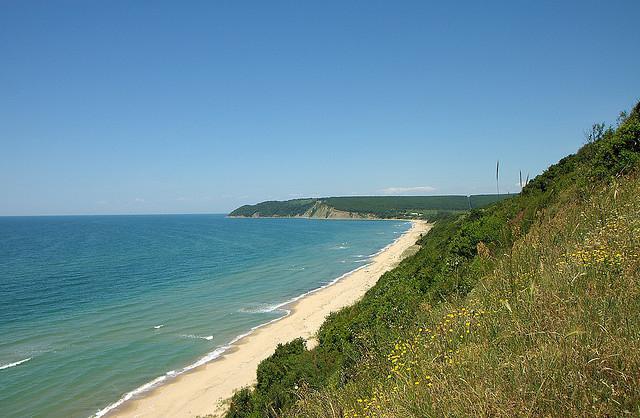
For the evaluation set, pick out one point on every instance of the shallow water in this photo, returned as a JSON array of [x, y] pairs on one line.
[[93, 307]]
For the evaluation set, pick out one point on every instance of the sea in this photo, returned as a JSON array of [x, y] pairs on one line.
[[95, 310]]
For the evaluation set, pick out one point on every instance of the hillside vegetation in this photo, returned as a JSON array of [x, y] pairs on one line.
[[415, 207], [528, 307], [294, 207]]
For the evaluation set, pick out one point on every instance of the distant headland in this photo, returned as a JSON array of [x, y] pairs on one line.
[[368, 207]]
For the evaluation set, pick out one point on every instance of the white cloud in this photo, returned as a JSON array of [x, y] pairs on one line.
[[139, 199], [408, 190]]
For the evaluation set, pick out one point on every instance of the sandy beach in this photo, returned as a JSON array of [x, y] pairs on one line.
[[204, 390]]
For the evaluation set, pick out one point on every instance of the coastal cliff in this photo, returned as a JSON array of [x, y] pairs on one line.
[[318, 210], [321, 210], [368, 207]]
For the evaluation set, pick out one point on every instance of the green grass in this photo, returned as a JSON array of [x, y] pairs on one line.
[[551, 329], [295, 207], [529, 306], [477, 201]]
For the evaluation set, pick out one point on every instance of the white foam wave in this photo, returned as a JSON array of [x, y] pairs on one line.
[[198, 337], [131, 394], [259, 309], [14, 364], [158, 326], [383, 249], [173, 373]]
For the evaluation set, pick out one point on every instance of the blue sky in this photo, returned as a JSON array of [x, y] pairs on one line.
[[183, 107]]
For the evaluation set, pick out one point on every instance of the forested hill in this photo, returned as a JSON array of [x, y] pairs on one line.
[[528, 307], [423, 207]]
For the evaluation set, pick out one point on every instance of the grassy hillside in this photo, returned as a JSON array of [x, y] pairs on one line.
[[477, 201], [295, 207], [379, 206], [530, 306]]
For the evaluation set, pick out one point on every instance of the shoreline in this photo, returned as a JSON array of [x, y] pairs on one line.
[[201, 388]]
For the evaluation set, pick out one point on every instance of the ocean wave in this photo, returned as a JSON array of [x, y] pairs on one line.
[[198, 337], [158, 326], [133, 393], [14, 364], [260, 309], [173, 373]]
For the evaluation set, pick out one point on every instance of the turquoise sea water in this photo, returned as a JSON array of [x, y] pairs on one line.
[[93, 308]]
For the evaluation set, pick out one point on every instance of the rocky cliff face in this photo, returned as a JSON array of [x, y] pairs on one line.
[[319, 210], [323, 211]]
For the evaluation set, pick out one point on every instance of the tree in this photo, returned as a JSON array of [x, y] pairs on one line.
[[596, 133]]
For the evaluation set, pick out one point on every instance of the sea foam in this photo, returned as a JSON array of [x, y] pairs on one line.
[[260, 309], [198, 337], [17, 363]]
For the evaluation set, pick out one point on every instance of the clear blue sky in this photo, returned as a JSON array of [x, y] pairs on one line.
[[174, 107]]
